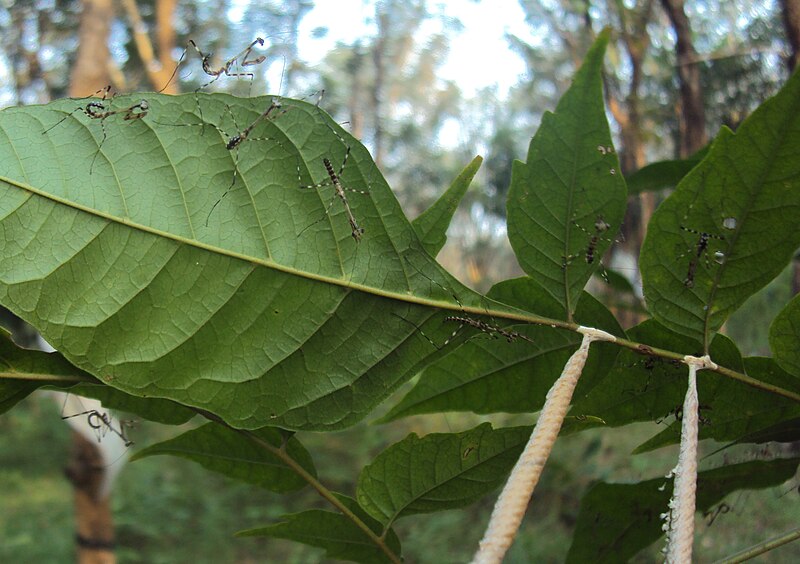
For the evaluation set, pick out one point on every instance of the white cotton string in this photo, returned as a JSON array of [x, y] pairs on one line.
[[680, 517], [513, 501]]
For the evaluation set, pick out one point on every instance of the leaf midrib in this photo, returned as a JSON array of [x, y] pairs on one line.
[[404, 297]]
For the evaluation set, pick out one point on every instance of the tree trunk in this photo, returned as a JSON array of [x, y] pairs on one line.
[[94, 524], [693, 120], [90, 72], [379, 61], [790, 9]]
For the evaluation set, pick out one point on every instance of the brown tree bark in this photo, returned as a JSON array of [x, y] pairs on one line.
[[693, 120], [790, 10], [93, 520], [90, 72], [160, 70]]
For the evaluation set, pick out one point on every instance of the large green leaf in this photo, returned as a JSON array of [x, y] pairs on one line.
[[484, 376], [731, 225], [618, 520], [264, 310], [223, 450], [784, 337], [334, 532], [439, 471], [566, 202]]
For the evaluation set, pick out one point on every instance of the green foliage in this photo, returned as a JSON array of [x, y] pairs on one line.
[[25, 371], [220, 329], [228, 452], [484, 378], [569, 190], [618, 520], [332, 531], [784, 334], [663, 174], [747, 181], [438, 471], [181, 273]]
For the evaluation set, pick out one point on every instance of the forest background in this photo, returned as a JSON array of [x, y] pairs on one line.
[[675, 74]]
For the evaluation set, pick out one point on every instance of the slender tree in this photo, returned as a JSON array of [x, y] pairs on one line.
[[693, 121]]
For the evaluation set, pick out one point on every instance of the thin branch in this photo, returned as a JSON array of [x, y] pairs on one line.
[[54, 378], [761, 548], [155, 67]]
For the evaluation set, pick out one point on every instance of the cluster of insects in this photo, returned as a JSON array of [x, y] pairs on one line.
[[239, 66]]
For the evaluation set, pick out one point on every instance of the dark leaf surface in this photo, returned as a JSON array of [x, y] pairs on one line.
[[438, 471], [488, 374], [784, 337], [334, 532], [228, 452], [618, 520]]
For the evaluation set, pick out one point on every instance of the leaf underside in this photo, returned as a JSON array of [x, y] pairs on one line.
[[566, 203], [266, 315], [731, 225]]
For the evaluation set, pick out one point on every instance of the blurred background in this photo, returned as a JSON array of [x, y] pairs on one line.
[[426, 86]]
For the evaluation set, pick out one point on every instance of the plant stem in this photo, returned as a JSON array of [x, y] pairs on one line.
[[55, 378], [762, 547]]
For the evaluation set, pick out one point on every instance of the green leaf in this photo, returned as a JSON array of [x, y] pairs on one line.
[[784, 432], [439, 471], [431, 226], [642, 388], [618, 520], [223, 450], [267, 315], [663, 174], [743, 200], [25, 370], [733, 411], [334, 532], [487, 376], [784, 337], [570, 192]]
